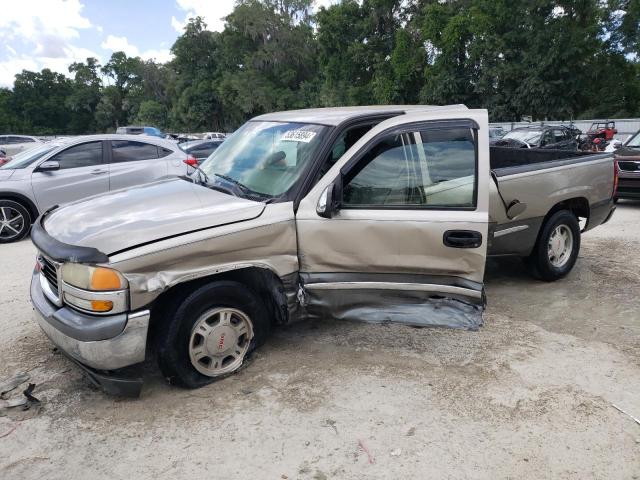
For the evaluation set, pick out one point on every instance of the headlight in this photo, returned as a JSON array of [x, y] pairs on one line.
[[96, 279], [92, 289]]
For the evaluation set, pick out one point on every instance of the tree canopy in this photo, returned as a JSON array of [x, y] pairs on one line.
[[548, 59]]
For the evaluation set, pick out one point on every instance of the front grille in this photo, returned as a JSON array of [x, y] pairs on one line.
[[629, 166], [50, 272]]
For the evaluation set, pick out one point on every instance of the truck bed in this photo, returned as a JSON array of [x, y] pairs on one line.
[[502, 158], [544, 180]]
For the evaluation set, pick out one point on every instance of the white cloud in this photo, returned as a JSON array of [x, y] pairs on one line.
[[31, 18], [9, 69], [162, 55], [58, 63], [121, 44], [214, 12], [47, 27], [177, 25], [324, 3]]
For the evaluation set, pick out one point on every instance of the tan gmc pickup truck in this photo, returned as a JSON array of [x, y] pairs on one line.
[[381, 214]]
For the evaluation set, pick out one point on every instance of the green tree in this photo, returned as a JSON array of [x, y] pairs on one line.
[[551, 59], [194, 74], [152, 113], [85, 95], [108, 109], [9, 121], [126, 73], [40, 100]]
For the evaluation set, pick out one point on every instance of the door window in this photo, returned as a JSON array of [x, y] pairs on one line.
[[559, 136], [163, 152], [423, 169], [547, 138], [344, 142], [83, 155], [128, 151], [204, 150]]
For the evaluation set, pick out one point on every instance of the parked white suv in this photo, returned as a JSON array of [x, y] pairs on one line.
[[13, 144], [62, 171]]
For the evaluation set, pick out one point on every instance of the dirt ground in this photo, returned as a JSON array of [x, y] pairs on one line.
[[529, 396]]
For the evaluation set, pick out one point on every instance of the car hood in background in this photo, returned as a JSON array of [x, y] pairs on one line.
[[5, 174], [628, 152], [123, 219]]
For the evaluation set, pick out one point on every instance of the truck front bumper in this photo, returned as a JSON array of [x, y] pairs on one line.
[[629, 186], [80, 337]]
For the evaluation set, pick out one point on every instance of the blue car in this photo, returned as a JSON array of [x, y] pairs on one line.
[[152, 131]]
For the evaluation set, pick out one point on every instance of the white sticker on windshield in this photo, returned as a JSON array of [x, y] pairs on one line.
[[304, 136]]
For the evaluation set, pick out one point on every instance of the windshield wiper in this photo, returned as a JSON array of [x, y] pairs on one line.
[[261, 197], [241, 186], [203, 179]]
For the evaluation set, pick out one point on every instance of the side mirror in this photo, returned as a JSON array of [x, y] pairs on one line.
[[515, 209], [329, 201], [49, 166]]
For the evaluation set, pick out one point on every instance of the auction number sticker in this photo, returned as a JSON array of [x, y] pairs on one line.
[[304, 136]]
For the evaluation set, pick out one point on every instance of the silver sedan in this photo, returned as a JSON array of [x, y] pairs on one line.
[[63, 171]]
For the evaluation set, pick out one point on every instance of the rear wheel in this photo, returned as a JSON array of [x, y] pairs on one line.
[[209, 334], [15, 221], [557, 248]]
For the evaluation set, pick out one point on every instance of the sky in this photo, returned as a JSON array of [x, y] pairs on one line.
[[37, 34]]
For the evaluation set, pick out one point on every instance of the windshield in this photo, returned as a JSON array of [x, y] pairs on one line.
[[266, 158], [634, 141], [531, 137], [26, 158]]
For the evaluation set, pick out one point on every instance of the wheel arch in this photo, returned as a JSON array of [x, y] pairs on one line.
[[22, 200], [579, 206], [263, 281]]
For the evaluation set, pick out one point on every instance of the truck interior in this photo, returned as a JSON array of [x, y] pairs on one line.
[[505, 157]]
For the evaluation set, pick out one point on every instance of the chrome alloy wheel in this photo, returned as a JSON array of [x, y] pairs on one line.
[[219, 341], [11, 223], [560, 246]]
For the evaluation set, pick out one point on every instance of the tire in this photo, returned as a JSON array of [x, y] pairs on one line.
[[560, 233], [198, 325], [15, 221]]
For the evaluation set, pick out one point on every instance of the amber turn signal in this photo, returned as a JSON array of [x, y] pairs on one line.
[[101, 305], [105, 279]]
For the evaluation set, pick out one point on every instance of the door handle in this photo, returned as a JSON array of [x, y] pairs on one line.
[[462, 238], [98, 172]]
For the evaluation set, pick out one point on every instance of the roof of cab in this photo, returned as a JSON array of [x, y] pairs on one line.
[[336, 115]]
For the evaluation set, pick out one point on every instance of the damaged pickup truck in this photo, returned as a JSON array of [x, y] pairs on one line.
[[381, 214]]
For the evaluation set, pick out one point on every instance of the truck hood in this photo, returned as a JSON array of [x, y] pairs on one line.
[[123, 219]]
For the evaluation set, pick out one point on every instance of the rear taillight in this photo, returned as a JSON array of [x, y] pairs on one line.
[[192, 162], [615, 178]]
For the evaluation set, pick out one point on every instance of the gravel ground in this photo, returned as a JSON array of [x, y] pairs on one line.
[[527, 396]]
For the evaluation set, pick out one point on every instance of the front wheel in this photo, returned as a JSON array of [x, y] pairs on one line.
[[557, 248], [15, 221], [209, 334]]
